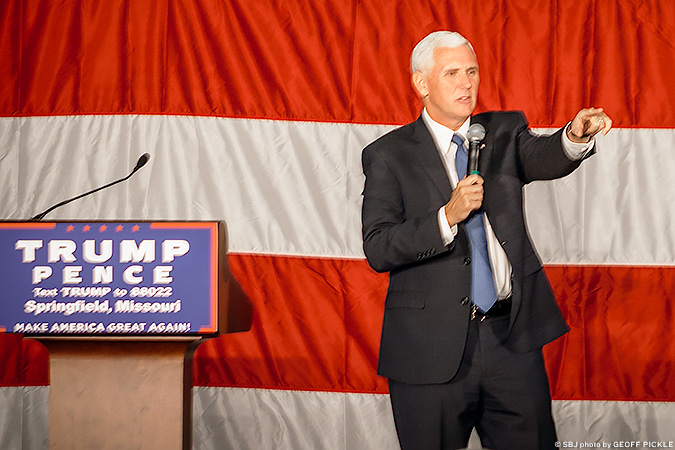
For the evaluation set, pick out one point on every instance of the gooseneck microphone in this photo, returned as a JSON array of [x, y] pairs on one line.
[[476, 134], [140, 163]]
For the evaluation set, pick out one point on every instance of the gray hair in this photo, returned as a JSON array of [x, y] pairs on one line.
[[422, 58]]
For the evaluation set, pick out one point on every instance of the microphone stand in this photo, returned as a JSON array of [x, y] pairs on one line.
[[141, 162]]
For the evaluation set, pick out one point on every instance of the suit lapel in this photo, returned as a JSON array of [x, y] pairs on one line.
[[429, 159], [485, 152]]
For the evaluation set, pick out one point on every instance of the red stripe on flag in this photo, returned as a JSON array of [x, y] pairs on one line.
[[307, 337], [23, 362], [622, 342], [316, 326], [336, 61]]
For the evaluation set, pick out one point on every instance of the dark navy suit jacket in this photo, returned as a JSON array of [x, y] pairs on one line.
[[427, 306]]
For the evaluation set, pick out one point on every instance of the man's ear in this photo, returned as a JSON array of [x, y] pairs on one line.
[[419, 83]]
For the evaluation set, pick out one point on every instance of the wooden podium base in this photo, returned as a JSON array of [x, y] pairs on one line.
[[120, 394]]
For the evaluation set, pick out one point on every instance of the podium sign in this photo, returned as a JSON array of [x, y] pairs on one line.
[[109, 278]]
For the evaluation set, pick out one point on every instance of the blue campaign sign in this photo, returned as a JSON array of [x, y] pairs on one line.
[[109, 278]]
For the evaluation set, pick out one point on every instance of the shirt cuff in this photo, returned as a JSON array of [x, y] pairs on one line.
[[448, 232], [576, 150]]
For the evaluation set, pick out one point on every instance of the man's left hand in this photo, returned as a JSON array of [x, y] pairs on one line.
[[587, 123]]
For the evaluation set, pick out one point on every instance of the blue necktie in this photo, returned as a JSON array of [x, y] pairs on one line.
[[483, 293]]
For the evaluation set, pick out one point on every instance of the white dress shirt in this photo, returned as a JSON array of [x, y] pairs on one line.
[[501, 266]]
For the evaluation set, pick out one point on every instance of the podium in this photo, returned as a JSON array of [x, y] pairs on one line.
[[121, 308]]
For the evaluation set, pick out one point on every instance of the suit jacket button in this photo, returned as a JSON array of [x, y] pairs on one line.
[[465, 301], [467, 260]]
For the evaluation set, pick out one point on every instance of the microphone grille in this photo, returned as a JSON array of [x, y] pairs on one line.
[[476, 132], [143, 160]]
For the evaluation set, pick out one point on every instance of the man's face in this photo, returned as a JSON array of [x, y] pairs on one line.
[[449, 90]]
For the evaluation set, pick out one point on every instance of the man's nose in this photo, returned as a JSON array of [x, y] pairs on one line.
[[465, 79]]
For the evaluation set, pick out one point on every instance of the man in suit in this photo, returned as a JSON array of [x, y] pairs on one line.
[[469, 306]]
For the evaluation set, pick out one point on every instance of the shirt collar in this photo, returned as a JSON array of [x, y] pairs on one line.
[[443, 135]]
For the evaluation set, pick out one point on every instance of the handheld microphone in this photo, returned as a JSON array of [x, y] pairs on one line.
[[476, 134], [143, 160]]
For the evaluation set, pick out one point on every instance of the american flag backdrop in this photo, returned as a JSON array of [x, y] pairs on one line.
[[255, 113]]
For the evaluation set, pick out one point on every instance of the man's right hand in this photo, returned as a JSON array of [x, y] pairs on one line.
[[466, 197]]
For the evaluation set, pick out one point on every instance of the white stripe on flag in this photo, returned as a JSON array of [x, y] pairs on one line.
[[24, 417], [294, 188], [252, 419]]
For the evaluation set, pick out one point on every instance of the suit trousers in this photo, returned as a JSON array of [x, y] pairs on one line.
[[504, 395]]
